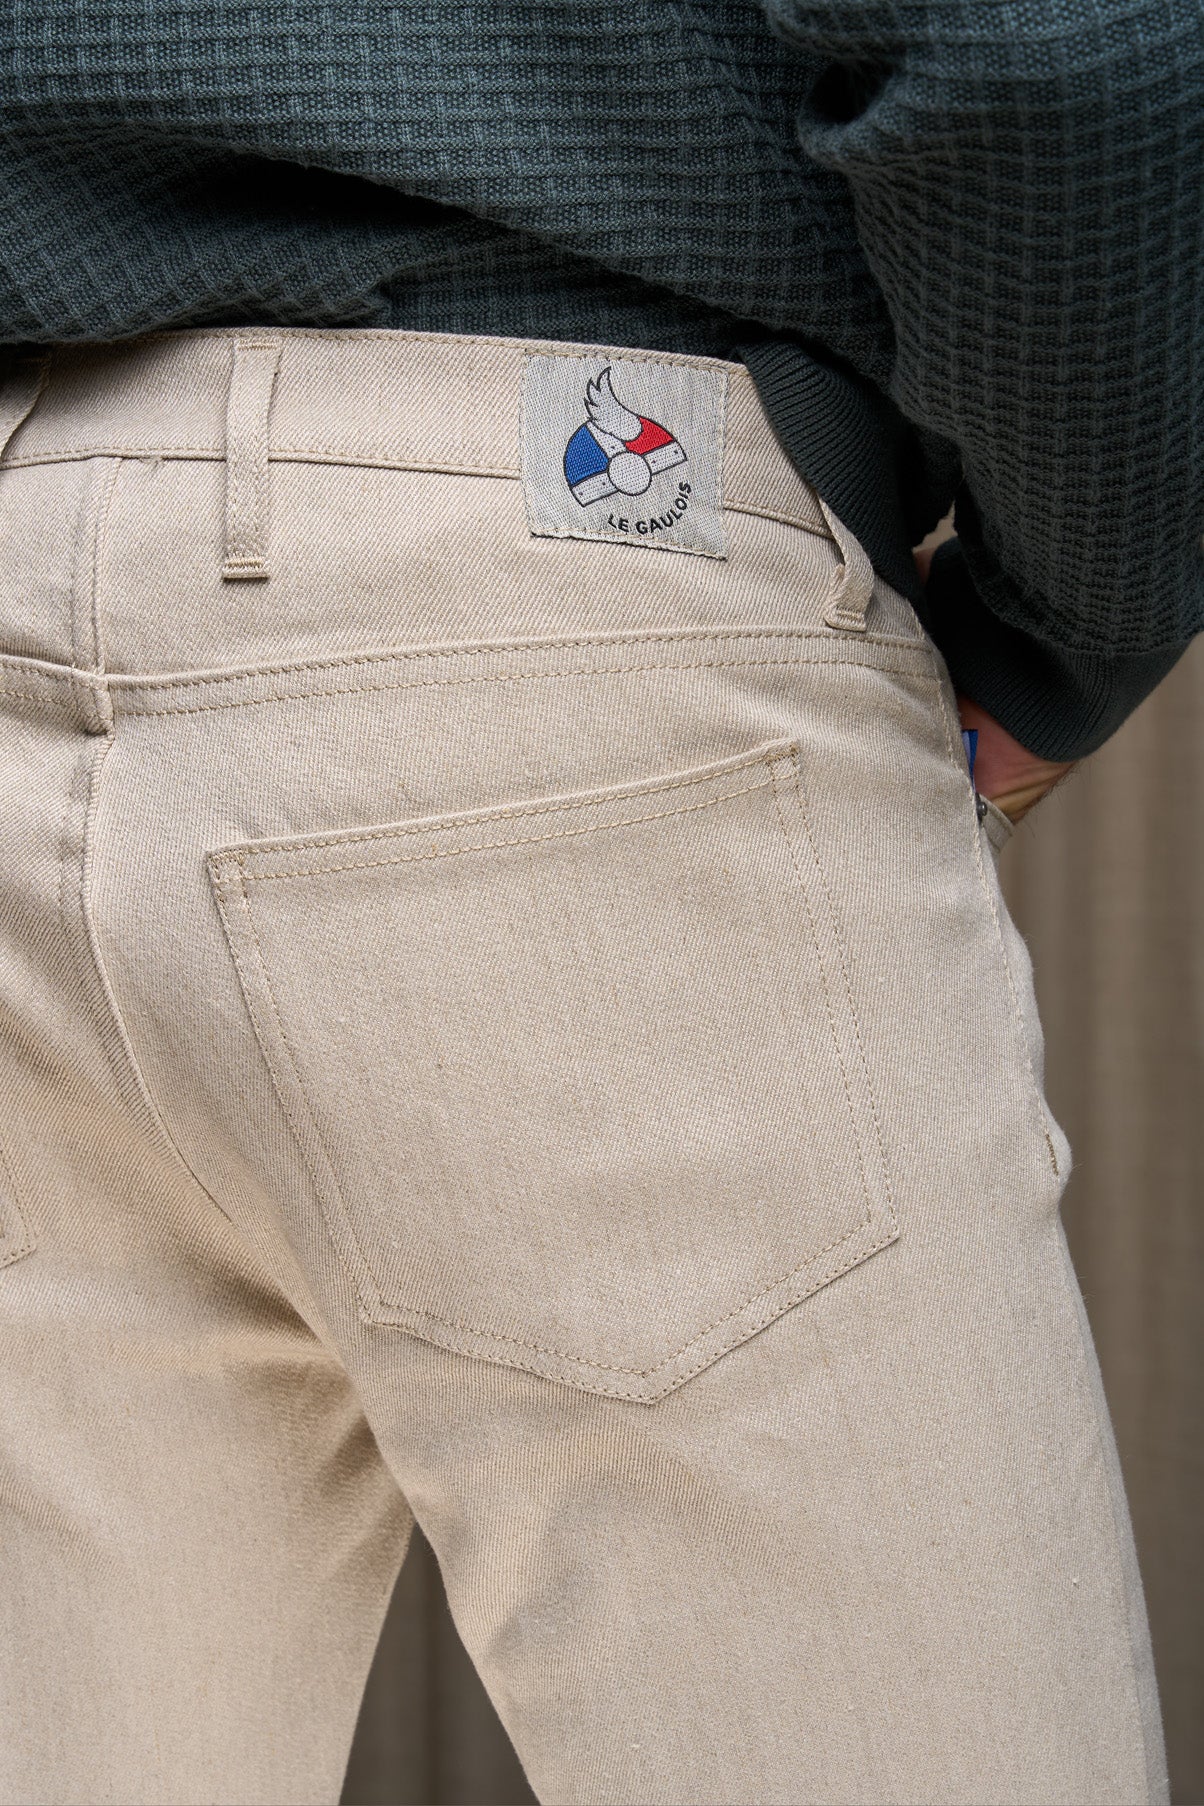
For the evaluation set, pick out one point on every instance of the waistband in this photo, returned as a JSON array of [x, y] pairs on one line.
[[129, 592], [392, 400]]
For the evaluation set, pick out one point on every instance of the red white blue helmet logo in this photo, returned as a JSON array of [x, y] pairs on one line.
[[616, 451]]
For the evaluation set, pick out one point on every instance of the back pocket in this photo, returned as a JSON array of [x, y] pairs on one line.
[[578, 1082]]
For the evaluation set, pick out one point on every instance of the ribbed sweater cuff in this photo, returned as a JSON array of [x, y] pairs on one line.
[[1058, 703]]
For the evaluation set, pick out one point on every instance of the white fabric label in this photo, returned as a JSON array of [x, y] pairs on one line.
[[627, 449]]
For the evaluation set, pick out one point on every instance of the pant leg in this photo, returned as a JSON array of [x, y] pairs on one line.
[[199, 1535], [850, 1563]]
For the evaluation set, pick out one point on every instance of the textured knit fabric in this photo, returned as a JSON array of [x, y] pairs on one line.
[[979, 226], [524, 1032]]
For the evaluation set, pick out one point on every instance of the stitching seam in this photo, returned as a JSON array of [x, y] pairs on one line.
[[706, 636], [55, 696], [746, 1332], [827, 987], [21, 1241], [99, 543], [510, 677], [102, 999], [644, 1373], [839, 942], [124, 682], [1018, 1013], [490, 846], [447, 824], [251, 991]]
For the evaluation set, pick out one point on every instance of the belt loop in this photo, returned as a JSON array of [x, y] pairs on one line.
[[854, 580], [252, 376], [26, 378]]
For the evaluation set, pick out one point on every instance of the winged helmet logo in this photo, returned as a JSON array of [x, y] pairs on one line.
[[616, 451]]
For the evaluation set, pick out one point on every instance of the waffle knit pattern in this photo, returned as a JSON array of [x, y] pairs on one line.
[[959, 246]]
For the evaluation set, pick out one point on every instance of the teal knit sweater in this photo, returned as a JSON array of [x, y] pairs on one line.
[[958, 244]]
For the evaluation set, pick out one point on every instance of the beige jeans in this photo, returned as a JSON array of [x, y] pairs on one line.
[[507, 1016]]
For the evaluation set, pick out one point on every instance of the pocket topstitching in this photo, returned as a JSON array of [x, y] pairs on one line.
[[579, 1081]]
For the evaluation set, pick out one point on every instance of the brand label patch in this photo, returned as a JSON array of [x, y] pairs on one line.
[[625, 449]]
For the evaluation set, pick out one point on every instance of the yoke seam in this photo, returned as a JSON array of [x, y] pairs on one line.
[[475, 648], [514, 677]]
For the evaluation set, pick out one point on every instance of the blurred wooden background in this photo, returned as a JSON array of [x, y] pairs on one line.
[[1106, 881]]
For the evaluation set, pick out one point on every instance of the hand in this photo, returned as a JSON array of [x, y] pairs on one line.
[[1012, 777]]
